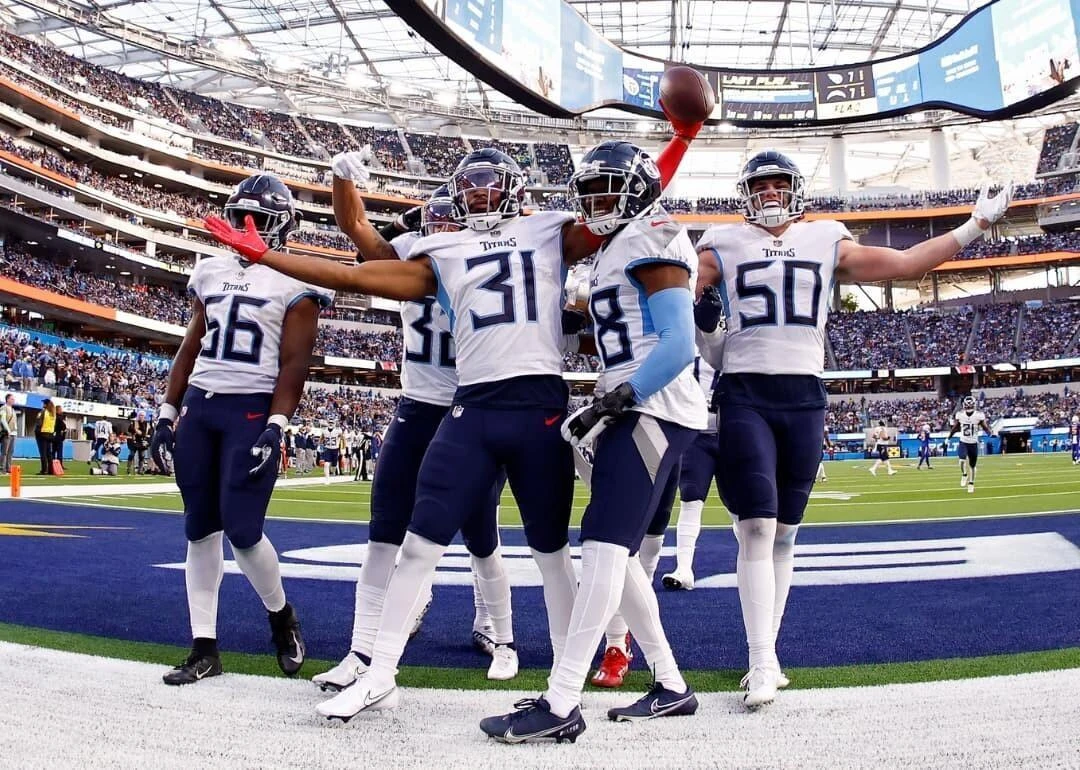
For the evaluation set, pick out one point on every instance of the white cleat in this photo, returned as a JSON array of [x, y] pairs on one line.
[[483, 640], [892, 473], [873, 471], [760, 685], [342, 675], [420, 618], [504, 663], [679, 580], [360, 697], [971, 489], [781, 680], [963, 482]]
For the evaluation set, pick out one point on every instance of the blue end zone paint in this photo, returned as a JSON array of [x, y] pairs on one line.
[[103, 584]]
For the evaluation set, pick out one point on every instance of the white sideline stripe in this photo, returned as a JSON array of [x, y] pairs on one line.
[[65, 709], [50, 491]]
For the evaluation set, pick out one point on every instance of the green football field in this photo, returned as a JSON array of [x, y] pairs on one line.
[[1009, 484]]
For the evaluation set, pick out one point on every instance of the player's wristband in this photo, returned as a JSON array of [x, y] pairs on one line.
[[279, 420], [167, 412], [968, 232]]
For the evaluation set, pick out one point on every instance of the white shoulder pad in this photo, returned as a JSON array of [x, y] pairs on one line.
[[403, 244], [715, 237], [197, 276], [428, 244], [655, 238], [837, 230]]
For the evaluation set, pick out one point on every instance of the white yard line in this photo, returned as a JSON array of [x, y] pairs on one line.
[[50, 491], [64, 709]]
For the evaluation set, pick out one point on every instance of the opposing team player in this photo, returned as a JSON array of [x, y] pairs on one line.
[[775, 272], [879, 438], [428, 382], [700, 465], [501, 282], [968, 421], [924, 447], [1074, 438], [647, 412], [234, 384]]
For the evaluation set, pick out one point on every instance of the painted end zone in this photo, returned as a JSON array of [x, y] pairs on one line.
[[863, 594]]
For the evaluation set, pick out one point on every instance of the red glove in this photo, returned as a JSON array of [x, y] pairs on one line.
[[683, 129], [247, 242]]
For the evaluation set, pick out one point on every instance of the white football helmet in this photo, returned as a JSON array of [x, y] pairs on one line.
[[969, 404]]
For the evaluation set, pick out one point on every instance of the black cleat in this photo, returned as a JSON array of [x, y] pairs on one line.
[[285, 635], [197, 666]]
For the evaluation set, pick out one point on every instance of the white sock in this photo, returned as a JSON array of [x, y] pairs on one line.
[[821, 470], [406, 595], [494, 585], [615, 633], [202, 575], [640, 607], [481, 618], [560, 586], [260, 565], [971, 476], [783, 569], [649, 553], [371, 586], [734, 525], [603, 573], [687, 531], [757, 587]]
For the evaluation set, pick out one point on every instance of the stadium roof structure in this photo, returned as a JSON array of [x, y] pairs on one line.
[[357, 59]]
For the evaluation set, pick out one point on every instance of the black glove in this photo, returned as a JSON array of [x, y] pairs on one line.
[[573, 322], [709, 310], [410, 220], [267, 450], [164, 442], [584, 425]]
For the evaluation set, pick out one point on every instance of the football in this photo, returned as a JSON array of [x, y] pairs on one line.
[[686, 94]]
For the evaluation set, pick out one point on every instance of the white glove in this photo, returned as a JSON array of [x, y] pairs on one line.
[[577, 288], [352, 165], [587, 439], [993, 209]]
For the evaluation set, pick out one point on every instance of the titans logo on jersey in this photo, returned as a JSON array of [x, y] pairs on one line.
[[776, 293], [623, 327], [503, 291], [427, 362], [245, 307]]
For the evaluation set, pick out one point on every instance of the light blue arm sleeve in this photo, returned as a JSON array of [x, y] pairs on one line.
[[672, 313]]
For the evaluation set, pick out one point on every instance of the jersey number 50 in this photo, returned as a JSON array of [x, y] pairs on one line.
[[219, 309], [770, 316]]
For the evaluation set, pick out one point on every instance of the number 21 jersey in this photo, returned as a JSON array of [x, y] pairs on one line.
[[245, 307], [776, 292]]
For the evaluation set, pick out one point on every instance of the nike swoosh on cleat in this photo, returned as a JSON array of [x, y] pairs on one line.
[[201, 674], [369, 701], [662, 709], [300, 653], [549, 421], [511, 737]]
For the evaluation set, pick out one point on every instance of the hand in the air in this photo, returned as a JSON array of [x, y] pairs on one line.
[[990, 210], [353, 166], [683, 129], [164, 441], [267, 450], [247, 242], [588, 422], [410, 220]]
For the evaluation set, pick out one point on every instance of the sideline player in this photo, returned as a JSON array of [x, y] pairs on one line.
[[648, 411], [1074, 438], [235, 382], [428, 382], [924, 447], [700, 465], [501, 280], [880, 438], [774, 272], [967, 422]]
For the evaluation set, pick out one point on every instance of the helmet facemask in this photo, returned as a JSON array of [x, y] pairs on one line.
[[772, 213], [439, 215], [484, 194], [605, 196], [273, 226]]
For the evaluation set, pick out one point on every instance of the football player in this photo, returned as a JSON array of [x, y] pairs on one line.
[[924, 447], [774, 271], [880, 440], [1074, 438], [501, 281], [967, 423], [428, 382], [234, 384], [647, 411], [700, 465]]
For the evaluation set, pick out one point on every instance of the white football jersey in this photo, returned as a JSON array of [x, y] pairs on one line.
[[245, 310], [503, 291], [775, 291], [428, 372], [969, 425], [706, 378], [102, 429], [880, 436], [623, 328]]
